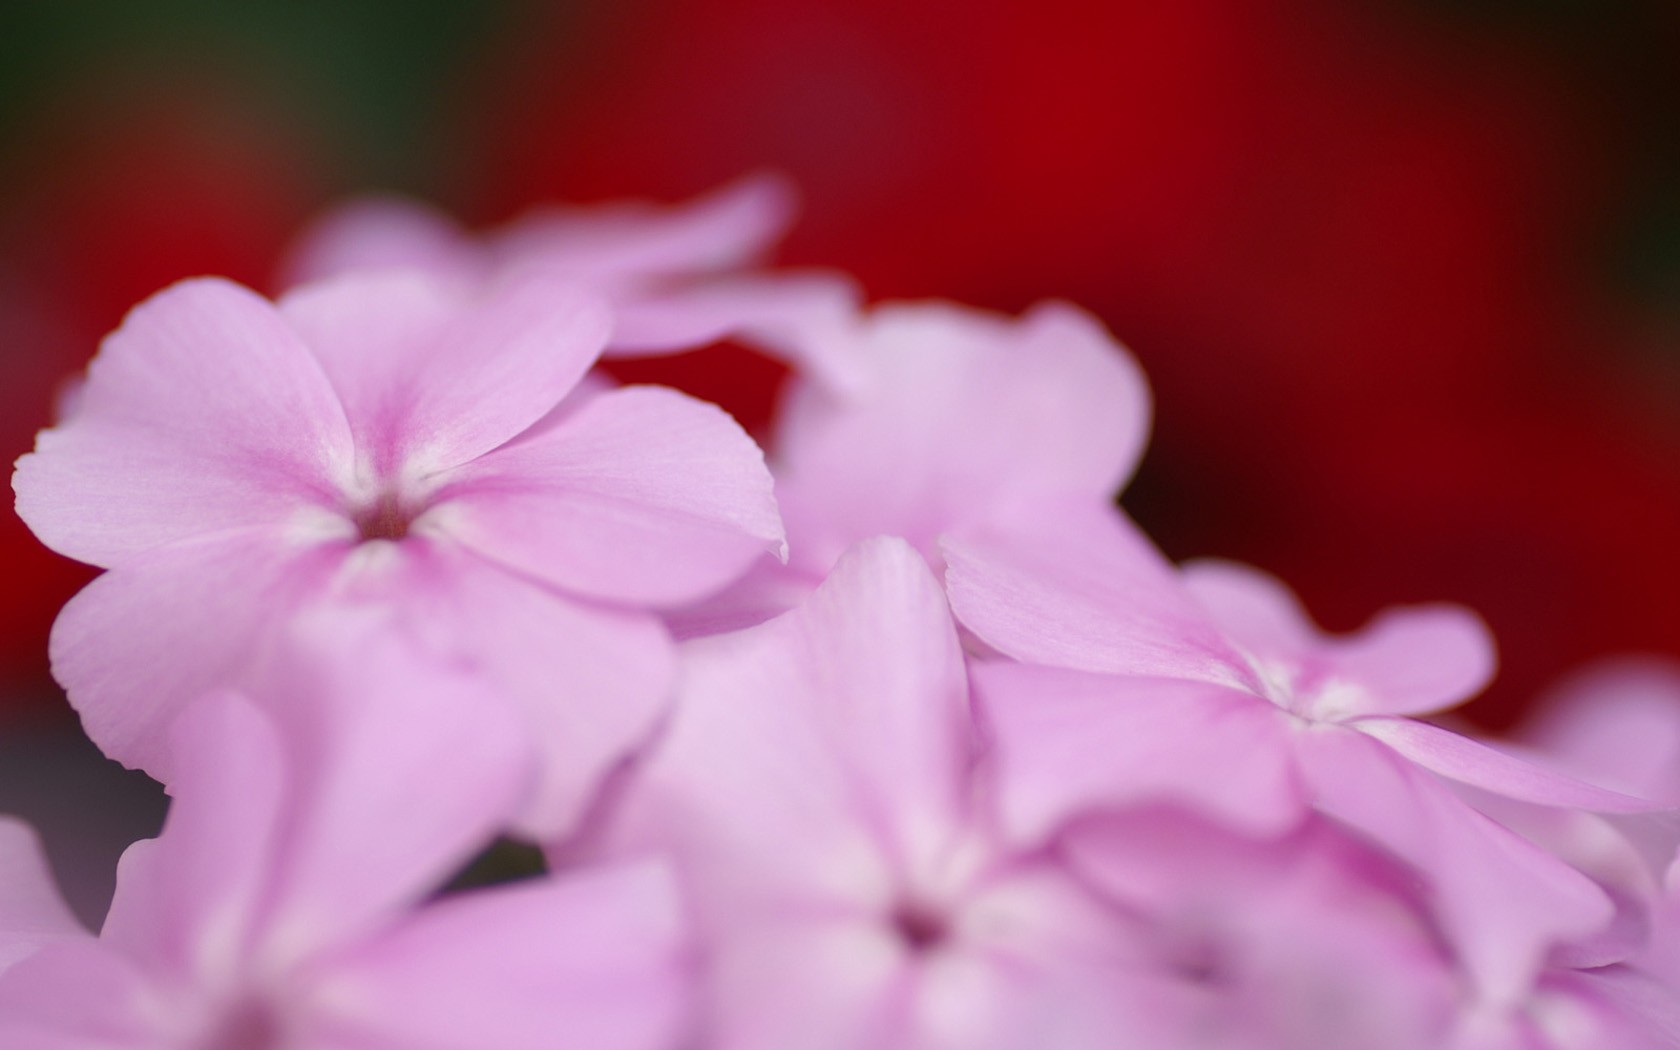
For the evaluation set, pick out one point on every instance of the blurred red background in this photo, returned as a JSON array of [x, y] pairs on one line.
[[1403, 275]]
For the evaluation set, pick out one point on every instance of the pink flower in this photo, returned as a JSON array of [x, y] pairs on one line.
[[951, 417], [372, 439], [1307, 941], [282, 904], [677, 277], [816, 790], [1212, 689]]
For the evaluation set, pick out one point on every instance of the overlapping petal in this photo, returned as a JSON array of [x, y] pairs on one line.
[[589, 683], [1064, 741], [596, 959], [807, 320], [1083, 589], [1470, 762], [1504, 901], [140, 643], [639, 495], [434, 375], [816, 744]]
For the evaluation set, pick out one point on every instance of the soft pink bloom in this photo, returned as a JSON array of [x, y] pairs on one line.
[[678, 277], [372, 440], [281, 907], [952, 417], [816, 789], [1305, 942], [1616, 723], [1212, 689]]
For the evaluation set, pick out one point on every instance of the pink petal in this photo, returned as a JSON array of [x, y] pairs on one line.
[[590, 683], [805, 320], [815, 982], [1406, 661], [1035, 959], [1310, 939], [641, 495], [769, 589], [1616, 724], [1594, 846], [1069, 743], [635, 242], [383, 233], [1083, 589], [1643, 1012], [1255, 609], [188, 901], [437, 378], [1417, 660], [368, 718], [962, 414], [1503, 902], [368, 330], [805, 749], [78, 995], [117, 647], [32, 913], [1467, 761], [202, 413], [594, 959]]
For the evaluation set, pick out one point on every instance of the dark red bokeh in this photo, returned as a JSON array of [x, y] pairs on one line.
[[1349, 245], [115, 202]]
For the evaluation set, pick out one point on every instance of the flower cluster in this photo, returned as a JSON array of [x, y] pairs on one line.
[[902, 736]]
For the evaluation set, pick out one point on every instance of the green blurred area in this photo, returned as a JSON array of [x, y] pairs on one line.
[[371, 78]]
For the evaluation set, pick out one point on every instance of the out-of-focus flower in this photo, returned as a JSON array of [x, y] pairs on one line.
[[233, 461], [816, 789], [1306, 941], [1132, 660], [673, 275], [281, 905], [949, 418]]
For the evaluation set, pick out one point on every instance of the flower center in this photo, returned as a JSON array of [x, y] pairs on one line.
[[385, 518], [919, 926], [248, 1025]]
